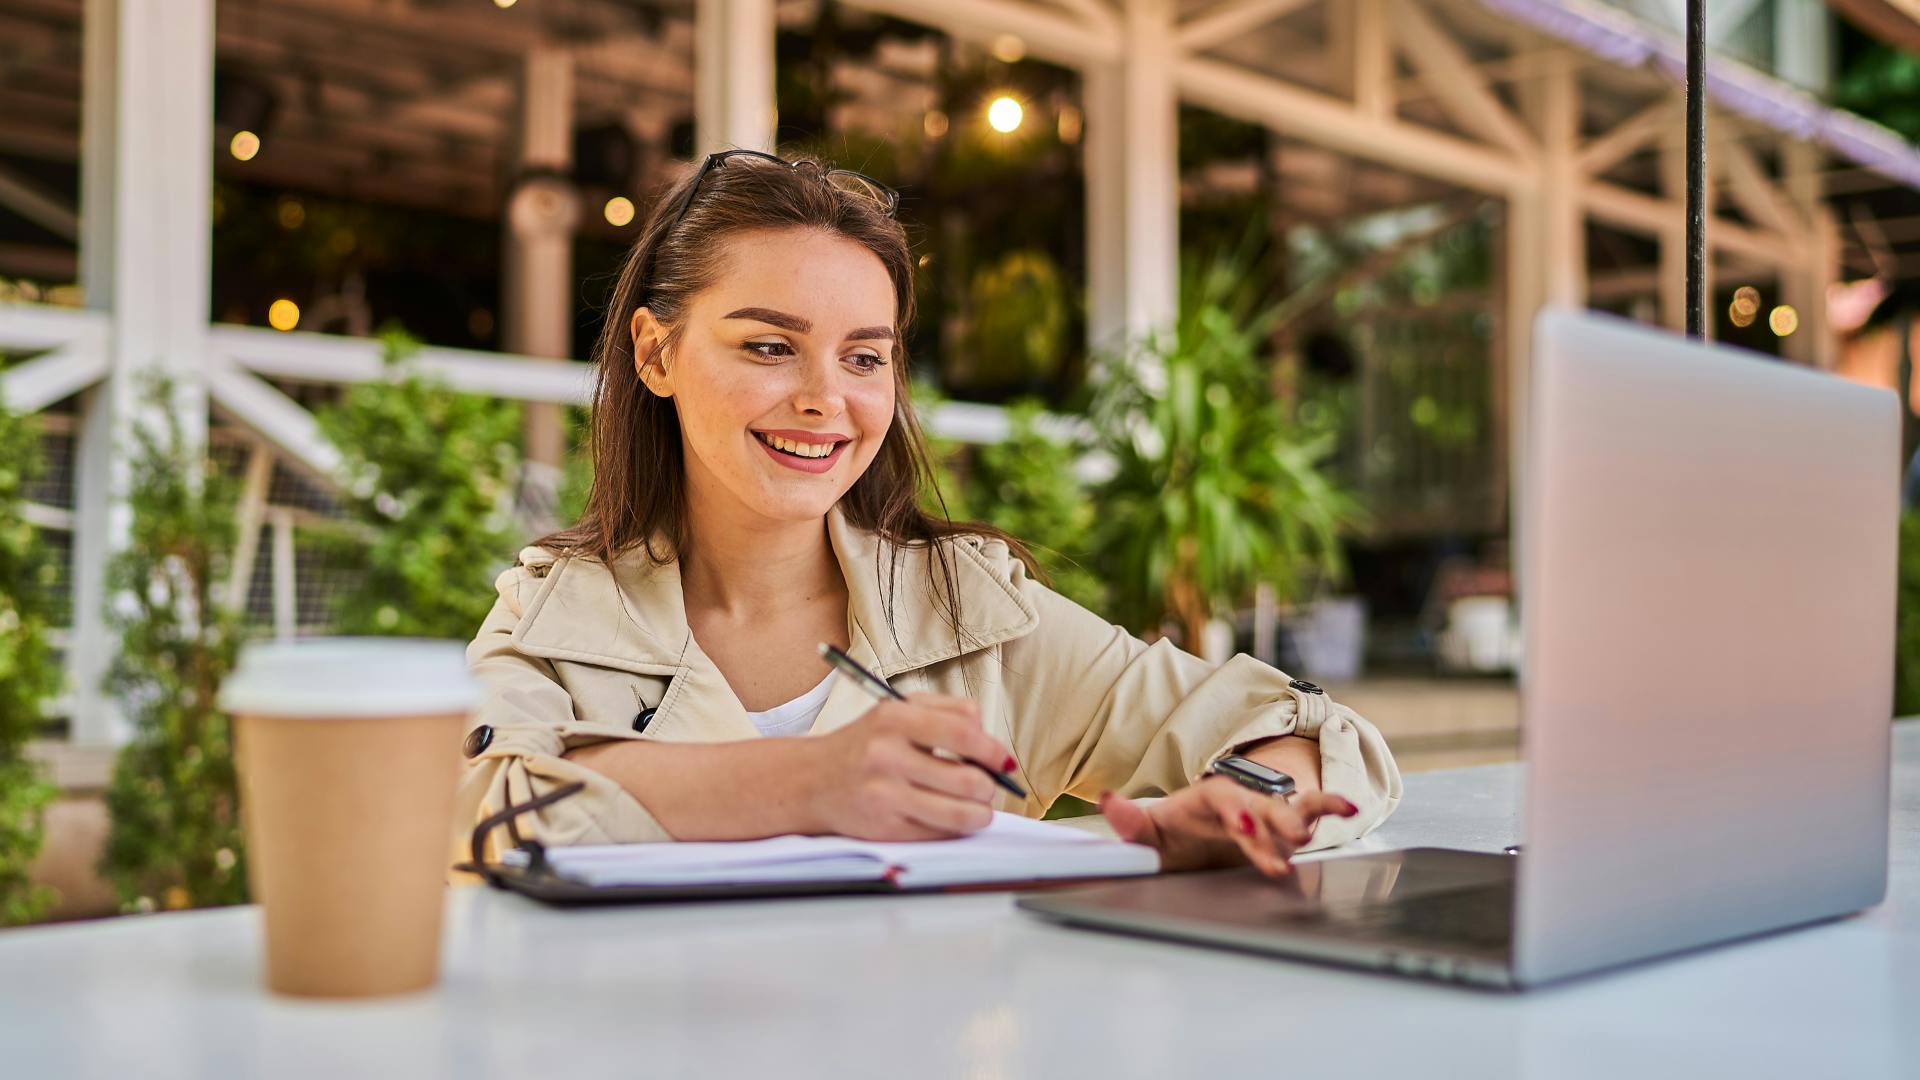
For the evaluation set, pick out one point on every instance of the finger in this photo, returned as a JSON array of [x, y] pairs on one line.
[[1311, 806], [1236, 808], [960, 735], [948, 778], [944, 814], [1129, 819]]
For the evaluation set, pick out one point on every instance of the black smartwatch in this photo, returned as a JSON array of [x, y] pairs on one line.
[[1252, 774]]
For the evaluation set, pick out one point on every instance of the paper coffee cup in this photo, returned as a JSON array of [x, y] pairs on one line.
[[348, 752]]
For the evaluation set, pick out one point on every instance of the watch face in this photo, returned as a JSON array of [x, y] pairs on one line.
[[1255, 775]]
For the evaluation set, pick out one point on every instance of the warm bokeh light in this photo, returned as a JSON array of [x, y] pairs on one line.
[[1072, 125], [1739, 315], [1783, 320], [283, 315], [1008, 48], [1005, 114], [504, 4], [619, 211], [290, 213], [244, 145], [934, 124]]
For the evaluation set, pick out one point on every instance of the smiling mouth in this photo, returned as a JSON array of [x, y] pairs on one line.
[[803, 451]]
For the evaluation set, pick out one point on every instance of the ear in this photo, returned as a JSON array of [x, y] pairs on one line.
[[649, 358]]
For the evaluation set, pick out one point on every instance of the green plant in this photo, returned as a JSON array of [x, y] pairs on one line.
[[576, 476], [1882, 83], [1017, 327], [1216, 490], [429, 472], [945, 495], [28, 675], [1906, 656], [1028, 485], [175, 840]]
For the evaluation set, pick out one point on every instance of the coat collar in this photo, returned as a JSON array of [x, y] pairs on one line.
[[631, 615]]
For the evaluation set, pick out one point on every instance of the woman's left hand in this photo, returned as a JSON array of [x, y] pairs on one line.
[[1218, 822]]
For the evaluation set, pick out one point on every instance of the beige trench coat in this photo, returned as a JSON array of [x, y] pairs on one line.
[[573, 654]]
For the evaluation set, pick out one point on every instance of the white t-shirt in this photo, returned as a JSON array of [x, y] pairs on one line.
[[795, 717]]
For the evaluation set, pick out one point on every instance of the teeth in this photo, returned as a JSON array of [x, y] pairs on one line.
[[810, 450]]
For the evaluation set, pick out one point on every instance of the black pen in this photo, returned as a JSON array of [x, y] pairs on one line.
[[875, 685]]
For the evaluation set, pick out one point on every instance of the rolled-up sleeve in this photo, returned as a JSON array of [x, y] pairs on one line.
[[1097, 709], [532, 722]]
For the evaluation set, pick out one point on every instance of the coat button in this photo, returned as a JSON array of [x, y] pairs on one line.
[[1305, 687], [478, 740], [646, 717]]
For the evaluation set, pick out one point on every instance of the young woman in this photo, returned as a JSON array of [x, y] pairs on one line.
[[756, 463]]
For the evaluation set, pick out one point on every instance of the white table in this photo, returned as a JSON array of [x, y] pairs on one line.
[[961, 986]]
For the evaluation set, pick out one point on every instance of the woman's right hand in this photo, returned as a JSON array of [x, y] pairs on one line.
[[876, 778]]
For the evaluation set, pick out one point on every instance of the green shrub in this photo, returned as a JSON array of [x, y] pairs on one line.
[[430, 473], [1216, 489], [28, 675], [175, 840], [1018, 322], [1028, 486]]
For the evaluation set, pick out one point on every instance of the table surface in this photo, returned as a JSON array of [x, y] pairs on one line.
[[961, 986]]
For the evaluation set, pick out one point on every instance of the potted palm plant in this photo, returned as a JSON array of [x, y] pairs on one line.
[[1216, 490]]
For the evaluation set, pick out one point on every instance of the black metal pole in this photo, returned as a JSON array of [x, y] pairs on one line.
[[1696, 169]]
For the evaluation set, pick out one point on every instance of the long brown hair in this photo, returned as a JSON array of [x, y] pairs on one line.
[[639, 470]]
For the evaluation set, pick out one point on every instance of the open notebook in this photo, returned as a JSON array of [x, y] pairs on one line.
[[1011, 849]]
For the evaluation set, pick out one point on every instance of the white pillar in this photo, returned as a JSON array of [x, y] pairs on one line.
[[1551, 104], [1133, 181], [1546, 258], [1802, 45], [733, 89], [537, 316], [1104, 156], [145, 252]]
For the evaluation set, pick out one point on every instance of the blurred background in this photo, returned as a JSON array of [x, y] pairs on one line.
[[1225, 306]]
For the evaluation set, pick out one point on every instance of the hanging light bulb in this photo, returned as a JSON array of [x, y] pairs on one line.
[[1005, 114]]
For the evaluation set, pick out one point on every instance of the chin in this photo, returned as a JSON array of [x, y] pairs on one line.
[[796, 505]]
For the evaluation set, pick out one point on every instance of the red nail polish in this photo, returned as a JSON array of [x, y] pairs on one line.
[[1007, 765], [1246, 823], [1351, 809]]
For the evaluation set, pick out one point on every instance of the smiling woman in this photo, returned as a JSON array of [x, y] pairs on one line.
[[756, 480]]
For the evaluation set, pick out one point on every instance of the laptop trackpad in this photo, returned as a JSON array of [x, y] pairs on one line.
[[1425, 896]]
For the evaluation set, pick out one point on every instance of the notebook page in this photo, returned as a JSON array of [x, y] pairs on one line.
[[779, 859], [1011, 848]]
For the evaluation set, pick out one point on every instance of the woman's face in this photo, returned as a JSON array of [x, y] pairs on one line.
[[789, 350]]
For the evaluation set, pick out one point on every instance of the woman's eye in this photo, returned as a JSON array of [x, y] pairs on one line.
[[865, 363]]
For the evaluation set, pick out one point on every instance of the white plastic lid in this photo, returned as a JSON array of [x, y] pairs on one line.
[[350, 677]]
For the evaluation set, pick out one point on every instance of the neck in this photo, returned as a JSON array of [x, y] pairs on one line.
[[742, 565]]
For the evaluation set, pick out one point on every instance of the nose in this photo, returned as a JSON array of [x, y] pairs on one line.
[[818, 392]]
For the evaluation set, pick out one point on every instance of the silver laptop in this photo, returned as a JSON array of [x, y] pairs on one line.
[[1707, 579]]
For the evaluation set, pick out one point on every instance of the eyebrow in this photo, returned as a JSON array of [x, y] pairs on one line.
[[801, 326]]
